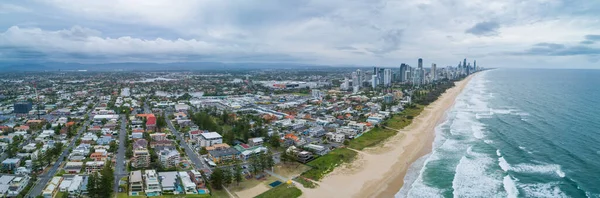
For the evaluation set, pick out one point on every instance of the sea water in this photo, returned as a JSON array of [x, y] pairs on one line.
[[516, 133]]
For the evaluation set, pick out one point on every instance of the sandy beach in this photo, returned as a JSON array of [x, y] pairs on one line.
[[379, 171]]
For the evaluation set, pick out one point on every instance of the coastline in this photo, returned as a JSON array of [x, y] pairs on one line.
[[379, 171]]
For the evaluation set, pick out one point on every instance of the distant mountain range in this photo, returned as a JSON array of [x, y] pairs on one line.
[[134, 66]]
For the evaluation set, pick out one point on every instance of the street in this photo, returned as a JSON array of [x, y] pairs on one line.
[[45, 178], [119, 168], [196, 161]]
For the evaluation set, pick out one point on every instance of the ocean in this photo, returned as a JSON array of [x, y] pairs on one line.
[[516, 133]]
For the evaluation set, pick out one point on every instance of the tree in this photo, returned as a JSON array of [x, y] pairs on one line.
[[160, 123], [238, 174], [92, 185], [346, 142], [106, 180], [227, 176], [216, 179], [203, 151], [48, 126], [113, 146], [57, 129], [274, 141]]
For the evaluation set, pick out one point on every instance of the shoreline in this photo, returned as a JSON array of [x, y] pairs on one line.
[[379, 171]]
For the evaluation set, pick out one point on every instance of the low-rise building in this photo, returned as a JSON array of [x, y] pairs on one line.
[[152, 183], [186, 182], [220, 155], [11, 163], [168, 158], [73, 167], [317, 149], [168, 180], [136, 184], [93, 166], [209, 139], [141, 158]]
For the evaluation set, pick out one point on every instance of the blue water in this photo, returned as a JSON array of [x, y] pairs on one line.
[[516, 133]]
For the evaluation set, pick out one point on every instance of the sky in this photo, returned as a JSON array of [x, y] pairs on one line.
[[496, 33]]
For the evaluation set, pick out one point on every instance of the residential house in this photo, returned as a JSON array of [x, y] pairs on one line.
[[246, 152], [136, 184], [162, 143], [5, 184], [186, 182], [217, 147], [93, 166], [336, 137], [17, 185], [220, 155], [348, 131], [141, 158], [11, 163], [73, 167], [257, 141], [75, 188], [152, 183], [299, 155], [168, 158], [317, 149], [317, 131], [158, 136], [99, 156], [210, 138], [197, 178], [168, 180]]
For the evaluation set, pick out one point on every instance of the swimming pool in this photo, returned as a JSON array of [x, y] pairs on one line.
[[152, 194], [202, 191]]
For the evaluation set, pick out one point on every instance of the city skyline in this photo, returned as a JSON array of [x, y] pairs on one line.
[[359, 33]]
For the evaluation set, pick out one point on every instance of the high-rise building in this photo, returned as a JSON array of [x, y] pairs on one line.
[[387, 77], [420, 66], [403, 69], [475, 65], [354, 79], [22, 107], [433, 72], [359, 75], [346, 84], [374, 81], [380, 74]]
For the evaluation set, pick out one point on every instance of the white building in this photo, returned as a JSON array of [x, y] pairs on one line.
[[151, 181], [209, 139], [188, 186]]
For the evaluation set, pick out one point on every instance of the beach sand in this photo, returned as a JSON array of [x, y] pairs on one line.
[[379, 171]]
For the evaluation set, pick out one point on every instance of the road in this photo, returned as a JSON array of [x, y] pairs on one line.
[[120, 170], [45, 178], [196, 161]]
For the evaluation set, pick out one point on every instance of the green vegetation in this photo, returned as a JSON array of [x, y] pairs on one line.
[[403, 119], [101, 184], [219, 194], [326, 163], [283, 190], [371, 138], [122, 195], [183, 196], [306, 183]]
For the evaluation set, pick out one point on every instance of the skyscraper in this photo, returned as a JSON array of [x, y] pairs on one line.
[[403, 69], [433, 72], [380, 74], [475, 65], [421, 72], [374, 81], [387, 77], [354, 79], [359, 78]]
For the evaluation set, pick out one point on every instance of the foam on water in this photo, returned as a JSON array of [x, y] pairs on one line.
[[472, 180], [498, 153], [510, 187], [550, 190], [503, 164], [546, 169]]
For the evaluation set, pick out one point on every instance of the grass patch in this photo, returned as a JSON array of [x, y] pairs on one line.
[[60, 194], [122, 195], [60, 173], [404, 118], [305, 183], [183, 196], [371, 138], [283, 190], [219, 194], [326, 163]]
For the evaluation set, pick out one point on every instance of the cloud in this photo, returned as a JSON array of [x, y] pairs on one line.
[[6, 8], [487, 28], [361, 32], [553, 49]]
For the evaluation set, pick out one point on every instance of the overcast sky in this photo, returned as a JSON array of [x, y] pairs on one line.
[[498, 33]]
